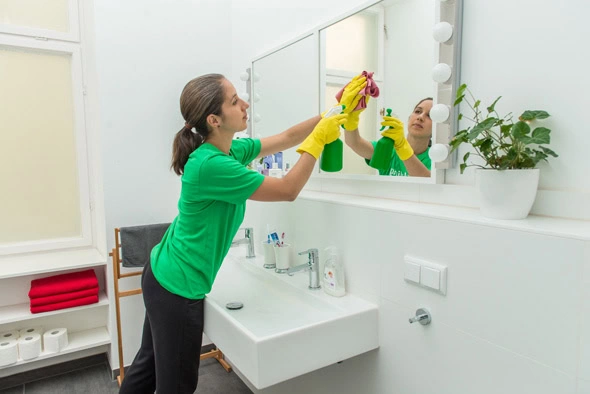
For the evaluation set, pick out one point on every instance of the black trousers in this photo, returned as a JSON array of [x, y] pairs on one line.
[[169, 355]]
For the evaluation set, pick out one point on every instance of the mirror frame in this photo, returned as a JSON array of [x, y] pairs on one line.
[[447, 53]]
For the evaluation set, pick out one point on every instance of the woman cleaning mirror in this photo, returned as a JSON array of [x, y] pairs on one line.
[[408, 156], [393, 39]]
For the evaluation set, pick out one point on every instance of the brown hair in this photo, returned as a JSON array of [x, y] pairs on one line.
[[200, 98], [421, 101]]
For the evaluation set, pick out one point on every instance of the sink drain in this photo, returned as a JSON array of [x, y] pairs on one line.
[[234, 305]]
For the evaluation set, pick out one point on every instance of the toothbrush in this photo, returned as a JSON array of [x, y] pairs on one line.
[[282, 238]]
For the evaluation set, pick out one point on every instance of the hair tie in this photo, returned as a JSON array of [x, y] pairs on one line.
[[190, 128]]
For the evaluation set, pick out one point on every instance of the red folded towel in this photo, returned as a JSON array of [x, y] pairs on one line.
[[52, 299], [63, 283], [65, 304]]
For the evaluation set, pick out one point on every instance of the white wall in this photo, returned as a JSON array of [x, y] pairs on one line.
[[146, 52]]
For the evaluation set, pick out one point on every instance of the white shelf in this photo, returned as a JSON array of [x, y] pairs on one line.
[[558, 227], [21, 312], [77, 341], [44, 262]]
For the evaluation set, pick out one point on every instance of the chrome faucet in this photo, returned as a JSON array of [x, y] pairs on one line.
[[312, 265], [248, 239]]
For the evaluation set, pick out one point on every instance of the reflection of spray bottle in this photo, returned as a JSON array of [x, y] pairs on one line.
[[331, 160], [383, 151]]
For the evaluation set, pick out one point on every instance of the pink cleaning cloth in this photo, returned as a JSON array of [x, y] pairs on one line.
[[371, 89]]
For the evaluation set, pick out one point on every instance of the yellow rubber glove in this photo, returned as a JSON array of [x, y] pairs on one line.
[[350, 98], [395, 131], [326, 131], [352, 123]]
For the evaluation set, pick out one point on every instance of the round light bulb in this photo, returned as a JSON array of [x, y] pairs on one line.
[[438, 152], [442, 31], [244, 76], [256, 77], [256, 97], [257, 118], [440, 113], [441, 73], [245, 96]]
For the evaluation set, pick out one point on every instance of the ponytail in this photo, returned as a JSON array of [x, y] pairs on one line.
[[185, 143], [200, 98]]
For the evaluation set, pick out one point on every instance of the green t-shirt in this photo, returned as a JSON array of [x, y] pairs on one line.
[[215, 187], [397, 166]]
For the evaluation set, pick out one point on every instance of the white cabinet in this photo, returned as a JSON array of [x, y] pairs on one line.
[[87, 325]]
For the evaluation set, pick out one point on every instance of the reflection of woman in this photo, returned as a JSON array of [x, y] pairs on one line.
[[410, 156], [215, 187]]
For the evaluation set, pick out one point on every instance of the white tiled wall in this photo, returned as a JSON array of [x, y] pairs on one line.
[[510, 322]]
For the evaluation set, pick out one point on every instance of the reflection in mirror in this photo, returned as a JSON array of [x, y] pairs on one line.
[[394, 40], [284, 90]]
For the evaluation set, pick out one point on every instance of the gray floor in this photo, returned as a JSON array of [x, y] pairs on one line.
[[96, 379]]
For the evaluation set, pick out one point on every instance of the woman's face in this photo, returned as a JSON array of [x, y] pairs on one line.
[[419, 122], [233, 111]]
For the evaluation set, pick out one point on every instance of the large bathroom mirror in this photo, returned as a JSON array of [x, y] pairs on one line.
[[412, 48], [285, 89]]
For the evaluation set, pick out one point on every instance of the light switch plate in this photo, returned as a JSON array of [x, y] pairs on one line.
[[412, 272], [428, 274]]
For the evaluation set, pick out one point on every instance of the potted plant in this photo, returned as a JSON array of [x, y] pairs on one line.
[[508, 152]]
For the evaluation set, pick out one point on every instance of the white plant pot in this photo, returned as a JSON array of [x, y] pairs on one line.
[[506, 194]]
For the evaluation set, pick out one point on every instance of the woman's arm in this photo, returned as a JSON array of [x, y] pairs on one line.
[[288, 138], [358, 144], [288, 187], [415, 167]]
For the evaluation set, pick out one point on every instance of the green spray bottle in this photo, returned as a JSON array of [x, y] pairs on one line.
[[331, 160], [383, 151]]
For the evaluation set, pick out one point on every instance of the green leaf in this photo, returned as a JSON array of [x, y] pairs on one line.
[[520, 130], [548, 151], [466, 156], [486, 124], [463, 167], [491, 108], [461, 90], [477, 103], [460, 117], [532, 115], [541, 135], [458, 100], [505, 129]]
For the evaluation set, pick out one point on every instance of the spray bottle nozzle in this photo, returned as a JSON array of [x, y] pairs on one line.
[[388, 113]]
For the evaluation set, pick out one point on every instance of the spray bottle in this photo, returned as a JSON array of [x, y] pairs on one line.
[[331, 160], [383, 151]]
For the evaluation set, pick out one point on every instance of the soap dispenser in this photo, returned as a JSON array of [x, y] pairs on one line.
[[333, 273], [383, 151]]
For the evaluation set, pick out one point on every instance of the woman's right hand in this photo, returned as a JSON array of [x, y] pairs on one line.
[[326, 131], [350, 98]]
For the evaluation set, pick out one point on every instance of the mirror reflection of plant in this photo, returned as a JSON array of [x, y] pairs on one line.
[[500, 142]]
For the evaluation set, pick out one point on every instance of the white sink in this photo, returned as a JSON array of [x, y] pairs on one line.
[[284, 329]]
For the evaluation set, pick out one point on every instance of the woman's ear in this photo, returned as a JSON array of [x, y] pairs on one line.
[[214, 121]]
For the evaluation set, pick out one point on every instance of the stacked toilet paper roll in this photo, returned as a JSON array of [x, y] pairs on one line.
[[29, 346], [55, 339], [31, 330], [8, 351], [9, 335]]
